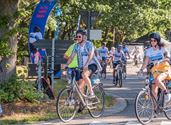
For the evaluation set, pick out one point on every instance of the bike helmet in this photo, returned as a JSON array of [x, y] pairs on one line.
[[119, 47], [155, 36], [82, 32], [103, 43]]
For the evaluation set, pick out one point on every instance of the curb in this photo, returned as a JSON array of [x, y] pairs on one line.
[[120, 105]]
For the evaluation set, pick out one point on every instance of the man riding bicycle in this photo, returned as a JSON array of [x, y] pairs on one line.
[[103, 52], [161, 69], [118, 56], [86, 61], [126, 52]]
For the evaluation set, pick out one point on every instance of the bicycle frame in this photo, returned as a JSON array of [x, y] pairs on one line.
[[82, 97], [160, 98], [119, 68]]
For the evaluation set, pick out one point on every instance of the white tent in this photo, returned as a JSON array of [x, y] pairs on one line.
[[165, 41], [167, 44]]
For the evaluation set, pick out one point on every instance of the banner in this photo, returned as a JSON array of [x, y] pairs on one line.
[[41, 14], [37, 28]]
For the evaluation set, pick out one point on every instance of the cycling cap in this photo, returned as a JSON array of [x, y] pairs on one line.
[[80, 31], [155, 36]]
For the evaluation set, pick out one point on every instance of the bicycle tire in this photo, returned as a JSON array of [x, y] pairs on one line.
[[103, 75], [144, 100], [115, 79], [103, 72], [167, 111], [63, 115], [120, 78], [124, 74], [98, 109]]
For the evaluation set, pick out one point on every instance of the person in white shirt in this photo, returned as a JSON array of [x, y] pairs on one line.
[[103, 52]]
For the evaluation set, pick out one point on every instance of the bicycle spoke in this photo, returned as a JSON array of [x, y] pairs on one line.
[[66, 105], [144, 107]]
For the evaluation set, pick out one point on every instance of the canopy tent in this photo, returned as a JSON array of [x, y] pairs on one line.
[[166, 42]]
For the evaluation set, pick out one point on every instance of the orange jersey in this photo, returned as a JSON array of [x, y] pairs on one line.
[[163, 67]]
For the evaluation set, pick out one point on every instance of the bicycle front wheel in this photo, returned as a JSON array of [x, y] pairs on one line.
[[120, 78], [97, 107], [66, 104], [167, 111], [144, 107]]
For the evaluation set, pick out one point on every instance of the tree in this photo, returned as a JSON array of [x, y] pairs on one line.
[[8, 38]]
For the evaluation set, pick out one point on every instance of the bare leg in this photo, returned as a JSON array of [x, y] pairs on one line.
[[87, 81], [155, 90], [160, 79], [81, 84]]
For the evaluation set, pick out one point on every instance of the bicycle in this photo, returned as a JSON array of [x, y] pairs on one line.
[[118, 74], [124, 73], [104, 66], [71, 98], [146, 105]]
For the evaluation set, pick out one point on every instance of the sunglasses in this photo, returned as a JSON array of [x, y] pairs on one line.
[[153, 40], [78, 36]]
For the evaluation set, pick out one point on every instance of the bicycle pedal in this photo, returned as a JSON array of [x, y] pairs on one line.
[[93, 107], [93, 103]]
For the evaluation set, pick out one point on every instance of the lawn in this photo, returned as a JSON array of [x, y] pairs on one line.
[[25, 112]]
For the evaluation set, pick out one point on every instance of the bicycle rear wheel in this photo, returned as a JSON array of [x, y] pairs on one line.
[[144, 107], [120, 78], [66, 104], [115, 79], [97, 107]]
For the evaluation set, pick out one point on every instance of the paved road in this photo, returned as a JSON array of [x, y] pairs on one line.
[[131, 86]]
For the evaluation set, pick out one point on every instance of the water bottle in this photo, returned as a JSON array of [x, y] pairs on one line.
[[92, 80], [95, 80], [169, 84], [69, 75]]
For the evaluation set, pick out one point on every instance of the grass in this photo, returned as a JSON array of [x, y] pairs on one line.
[[24, 112]]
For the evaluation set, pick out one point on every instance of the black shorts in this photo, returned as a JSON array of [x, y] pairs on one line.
[[115, 64], [92, 68]]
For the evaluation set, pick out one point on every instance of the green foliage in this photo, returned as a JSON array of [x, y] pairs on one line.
[[18, 89], [129, 18]]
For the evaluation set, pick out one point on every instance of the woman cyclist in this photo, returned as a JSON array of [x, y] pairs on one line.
[[155, 54]]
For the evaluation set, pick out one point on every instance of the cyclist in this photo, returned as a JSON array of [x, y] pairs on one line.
[[74, 63], [112, 50], [126, 52], [86, 61], [118, 55], [103, 52], [136, 55], [155, 54]]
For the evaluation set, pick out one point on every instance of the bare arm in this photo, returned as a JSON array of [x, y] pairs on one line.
[[70, 58], [90, 56], [66, 57], [146, 61]]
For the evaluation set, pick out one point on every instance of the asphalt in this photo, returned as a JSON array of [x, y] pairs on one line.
[[120, 105]]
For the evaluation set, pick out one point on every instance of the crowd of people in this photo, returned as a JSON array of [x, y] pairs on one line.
[[83, 55]]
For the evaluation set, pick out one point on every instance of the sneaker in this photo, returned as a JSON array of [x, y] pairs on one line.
[[92, 95]]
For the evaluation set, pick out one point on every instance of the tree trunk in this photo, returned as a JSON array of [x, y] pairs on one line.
[[8, 8]]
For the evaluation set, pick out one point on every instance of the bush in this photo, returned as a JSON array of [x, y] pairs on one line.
[[18, 89]]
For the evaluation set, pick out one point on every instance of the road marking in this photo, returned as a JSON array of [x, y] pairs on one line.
[[132, 123], [98, 123], [165, 123]]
